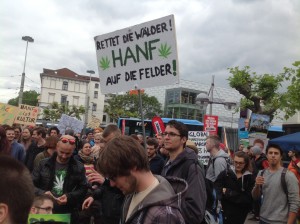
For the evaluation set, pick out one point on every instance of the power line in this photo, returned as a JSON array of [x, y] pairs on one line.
[[31, 80], [10, 76]]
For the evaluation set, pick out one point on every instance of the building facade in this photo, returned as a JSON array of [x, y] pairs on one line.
[[179, 101], [67, 87]]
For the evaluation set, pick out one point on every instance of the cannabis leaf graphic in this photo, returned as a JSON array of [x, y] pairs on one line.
[[104, 63], [58, 184], [164, 50]]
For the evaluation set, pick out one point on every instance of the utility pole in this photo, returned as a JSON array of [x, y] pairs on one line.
[[87, 101], [31, 40]]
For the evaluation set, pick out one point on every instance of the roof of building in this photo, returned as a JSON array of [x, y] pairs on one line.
[[67, 74]]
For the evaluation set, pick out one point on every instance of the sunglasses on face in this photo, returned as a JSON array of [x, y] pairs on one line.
[[66, 140]]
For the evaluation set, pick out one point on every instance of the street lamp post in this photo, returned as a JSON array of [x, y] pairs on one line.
[[31, 40], [87, 99], [204, 99]]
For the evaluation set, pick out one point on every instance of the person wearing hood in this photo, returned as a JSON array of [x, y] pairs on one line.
[[183, 163], [218, 158], [234, 186], [149, 198]]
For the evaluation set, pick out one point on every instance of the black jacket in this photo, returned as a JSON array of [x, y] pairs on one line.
[[31, 153], [157, 164], [193, 204], [75, 183], [237, 200]]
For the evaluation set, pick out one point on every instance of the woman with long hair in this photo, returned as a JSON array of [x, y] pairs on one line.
[[4, 144], [234, 186]]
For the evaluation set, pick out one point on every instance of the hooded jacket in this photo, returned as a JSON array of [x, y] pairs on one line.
[[237, 200], [161, 205], [216, 165], [194, 202]]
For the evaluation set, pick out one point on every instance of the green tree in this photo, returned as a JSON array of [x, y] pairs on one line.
[[29, 97], [261, 92], [291, 100], [128, 106], [54, 111]]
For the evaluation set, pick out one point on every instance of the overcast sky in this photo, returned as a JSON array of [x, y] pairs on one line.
[[211, 36]]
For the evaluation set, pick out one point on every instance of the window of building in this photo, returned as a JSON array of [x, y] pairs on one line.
[[75, 100], [63, 99], [52, 83], [65, 85], [184, 97], [96, 85], [95, 94], [51, 97], [94, 107], [77, 87], [104, 118]]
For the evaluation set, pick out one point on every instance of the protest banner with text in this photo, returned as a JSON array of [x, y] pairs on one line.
[[199, 138], [27, 115], [137, 57]]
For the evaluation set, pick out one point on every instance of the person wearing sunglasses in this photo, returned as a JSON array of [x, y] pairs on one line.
[[233, 187], [63, 178]]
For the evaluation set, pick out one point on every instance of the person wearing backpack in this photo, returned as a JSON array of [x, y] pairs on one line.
[[279, 193], [183, 163], [234, 186], [219, 159]]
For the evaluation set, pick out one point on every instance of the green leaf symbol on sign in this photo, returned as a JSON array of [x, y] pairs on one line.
[[164, 50], [104, 63]]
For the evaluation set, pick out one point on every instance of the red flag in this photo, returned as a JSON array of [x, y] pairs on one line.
[[158, 125]]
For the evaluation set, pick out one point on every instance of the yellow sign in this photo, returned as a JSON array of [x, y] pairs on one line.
[[27, 115], [7, 114], [94, 123]]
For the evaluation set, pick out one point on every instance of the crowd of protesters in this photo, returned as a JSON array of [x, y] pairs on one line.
[[105, 177]]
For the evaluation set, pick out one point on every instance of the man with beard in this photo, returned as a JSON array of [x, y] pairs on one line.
[[149, 198], [63, 178], [156, 161]]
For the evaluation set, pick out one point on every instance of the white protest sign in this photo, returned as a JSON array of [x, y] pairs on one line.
[[66, 122], [199, 138], [140, 56]]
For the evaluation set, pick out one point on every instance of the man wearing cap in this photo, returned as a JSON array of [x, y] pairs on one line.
[[63, 178]]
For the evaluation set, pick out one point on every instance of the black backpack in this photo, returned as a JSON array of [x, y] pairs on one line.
[[211, 209], [282, 180], [111, 200]]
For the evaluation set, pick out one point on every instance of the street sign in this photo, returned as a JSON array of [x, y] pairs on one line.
[[138, 57]]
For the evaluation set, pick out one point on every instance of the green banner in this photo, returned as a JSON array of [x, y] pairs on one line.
[[37, 218]]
